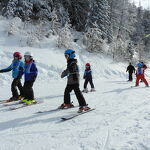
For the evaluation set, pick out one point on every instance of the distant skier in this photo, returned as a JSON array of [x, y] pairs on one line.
[[140, 74], [144, 66], [30, 73], [17, 71], [72, 72], [131, 70], [88, 78]]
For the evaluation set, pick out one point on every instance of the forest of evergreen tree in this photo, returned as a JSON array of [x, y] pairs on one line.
[[117, 23]]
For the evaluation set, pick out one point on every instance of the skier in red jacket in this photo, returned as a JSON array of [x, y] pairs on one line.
[[140, 74]]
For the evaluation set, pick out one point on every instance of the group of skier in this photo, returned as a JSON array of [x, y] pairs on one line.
[[139, 72], [18, 68], [29, 70]]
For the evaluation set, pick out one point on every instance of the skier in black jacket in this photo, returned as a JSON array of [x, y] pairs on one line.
[[131, 70], [72, 73]]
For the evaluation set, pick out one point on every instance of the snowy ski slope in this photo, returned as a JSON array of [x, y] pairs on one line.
[[121, 120]]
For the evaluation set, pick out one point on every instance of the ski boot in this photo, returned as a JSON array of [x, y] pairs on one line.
[[147, 85], [85, 90], [83, 108], [12, 99], [20, 97], [33, 101], [65, 106], [92, 90], [23, 100], [28, 102]]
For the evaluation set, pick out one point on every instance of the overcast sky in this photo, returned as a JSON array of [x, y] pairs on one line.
[[144, 3]]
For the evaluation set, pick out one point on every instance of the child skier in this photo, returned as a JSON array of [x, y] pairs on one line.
[[88, 78], [17, 72], [30, 73], [72, 73], [144, 66], [140, 74]]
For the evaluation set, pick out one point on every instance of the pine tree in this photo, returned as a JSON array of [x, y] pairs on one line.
[[100, 14], [146, 24]]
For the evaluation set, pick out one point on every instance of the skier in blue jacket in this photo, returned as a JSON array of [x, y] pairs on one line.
[[30, 74], [88, 78], [17, 68]]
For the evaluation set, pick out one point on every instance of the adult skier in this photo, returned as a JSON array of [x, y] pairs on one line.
[[131, 70], [140, 74], [16, 67], [88, 78], [30, 73], [72, 72]]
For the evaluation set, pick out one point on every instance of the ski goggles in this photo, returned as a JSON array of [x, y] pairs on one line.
[[27, 57]]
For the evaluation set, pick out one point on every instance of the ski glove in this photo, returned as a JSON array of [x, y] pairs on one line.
[[5, 70], [18, 78], [64, 73]]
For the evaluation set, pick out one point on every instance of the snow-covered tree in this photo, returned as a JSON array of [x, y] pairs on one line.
[[65, 38], [100, 13], [93, 41], [146, 24], [117, 22], [15, 25]]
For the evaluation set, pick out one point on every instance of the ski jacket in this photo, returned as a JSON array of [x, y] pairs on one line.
[[72, 72], [144, 66], [140, 70], [17, 68], [131, 69], [87, 74], [30, 71]]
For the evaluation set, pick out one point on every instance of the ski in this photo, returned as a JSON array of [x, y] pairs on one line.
[[13, 103], [139, 87], [134, 86], [25, 105], [9, 101], [46, 111], [6, 101], [56, 109], [85, 92], [77, 114], [88, 91]]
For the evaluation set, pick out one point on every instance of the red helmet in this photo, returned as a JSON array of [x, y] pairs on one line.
[[17, 54], [88, 64]]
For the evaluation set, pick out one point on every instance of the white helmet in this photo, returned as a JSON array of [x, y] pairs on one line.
[[28, 54]]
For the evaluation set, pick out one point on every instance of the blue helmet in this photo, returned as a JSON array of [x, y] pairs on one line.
[[71, 53], [139, 65]]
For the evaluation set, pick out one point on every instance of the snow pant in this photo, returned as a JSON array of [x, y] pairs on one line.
[[78, 94], [28, 90], [141, 79], [86, 82], [141, 76], [130, 76], [16, 84]]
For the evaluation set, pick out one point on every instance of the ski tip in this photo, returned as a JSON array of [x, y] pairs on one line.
[[91, 109], [75, 115], [86, 110], [64, 119], [39, 112], [11, 108]]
